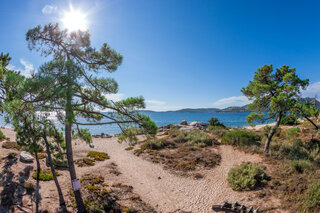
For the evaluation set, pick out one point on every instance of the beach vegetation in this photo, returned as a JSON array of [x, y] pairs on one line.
[[246, 177], [214, 122], [98, 156], [240, 138], [44, 175]]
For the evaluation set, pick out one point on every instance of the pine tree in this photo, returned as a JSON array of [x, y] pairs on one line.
[[273, 92], [73, 85]]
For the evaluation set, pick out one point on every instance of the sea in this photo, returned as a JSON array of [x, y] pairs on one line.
[[232, 119]]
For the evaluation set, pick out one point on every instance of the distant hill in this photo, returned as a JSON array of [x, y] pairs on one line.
[[234, 108], [208, 110]]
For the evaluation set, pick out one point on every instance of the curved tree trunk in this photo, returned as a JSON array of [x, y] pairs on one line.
[[61, 198], [271, 133], [315, 126], [37, 183]]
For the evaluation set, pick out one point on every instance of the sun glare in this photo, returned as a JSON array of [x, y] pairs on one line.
[[74, 20]]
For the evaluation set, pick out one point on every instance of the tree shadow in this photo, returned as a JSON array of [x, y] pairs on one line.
[[13, 188]]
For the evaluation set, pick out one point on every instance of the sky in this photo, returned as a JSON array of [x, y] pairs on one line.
[[181, 53]]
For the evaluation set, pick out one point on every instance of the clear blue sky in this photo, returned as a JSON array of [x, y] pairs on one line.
[[182, 53]]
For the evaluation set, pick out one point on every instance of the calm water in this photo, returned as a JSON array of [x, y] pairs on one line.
[[163, 118]]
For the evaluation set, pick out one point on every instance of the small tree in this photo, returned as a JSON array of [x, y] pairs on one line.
[[31, 132], [273, 92]]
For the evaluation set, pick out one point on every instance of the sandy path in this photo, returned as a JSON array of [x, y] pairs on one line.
[[172, 193]]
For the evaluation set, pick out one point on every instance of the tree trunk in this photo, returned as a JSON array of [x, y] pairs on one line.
[[315, 126], [68, 138], [37, 184], [271, 133], [61, 198]]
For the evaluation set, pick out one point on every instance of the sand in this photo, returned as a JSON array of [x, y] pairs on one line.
[[160, 188]]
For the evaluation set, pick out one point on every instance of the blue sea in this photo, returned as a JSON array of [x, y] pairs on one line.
[[234, 119]]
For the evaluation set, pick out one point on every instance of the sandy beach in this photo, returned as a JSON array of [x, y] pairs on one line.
[[158, 187]]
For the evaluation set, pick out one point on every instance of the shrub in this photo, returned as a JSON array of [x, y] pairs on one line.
[[292, 133], [289, 120], [240, 138], [193, 138], [247, 177], [45, 175], [88, 161], [198, 138], [215, 122], [157, 144], [11, 145], [2, 135], [99, 156], [311, 200], [301, 165], [60, 160]]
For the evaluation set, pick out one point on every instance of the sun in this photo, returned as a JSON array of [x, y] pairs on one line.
[[74, 20]]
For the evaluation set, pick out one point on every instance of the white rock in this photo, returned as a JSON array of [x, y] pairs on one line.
[[26, 157]]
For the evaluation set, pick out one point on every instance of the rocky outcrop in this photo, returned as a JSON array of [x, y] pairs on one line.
[[26, 157]]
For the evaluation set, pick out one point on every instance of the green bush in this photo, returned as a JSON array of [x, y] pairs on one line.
[[301, 165], [193, 138], [292, 133], [1, 135], [157, 144], [215, 122], [240, 138], [45, 175], [247, 177], [289, 120], [99, 156], [312, 197], [198, 138]]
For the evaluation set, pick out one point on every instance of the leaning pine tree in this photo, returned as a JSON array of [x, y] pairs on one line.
[[275, 93], [73, 85]]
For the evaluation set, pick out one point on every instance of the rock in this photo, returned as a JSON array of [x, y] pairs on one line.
[[26, 157], [183, 122]]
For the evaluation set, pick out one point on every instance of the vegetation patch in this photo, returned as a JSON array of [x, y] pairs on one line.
[[311, 200], [100, 197], [247, 176], [44, 175], [98, 156], [85, 162], [12, 155], [11, 145], [181, 150], [241, 138], [2, 137]]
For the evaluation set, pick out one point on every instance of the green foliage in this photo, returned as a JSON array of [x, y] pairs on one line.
[[215, 123], [157, 144], [311, 200], [44, 175], [240, 138], [289, 120], [2, 135], [99, 156], [193, 138], [301, 165], [274, 92], [292, 133], [247, 176]]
